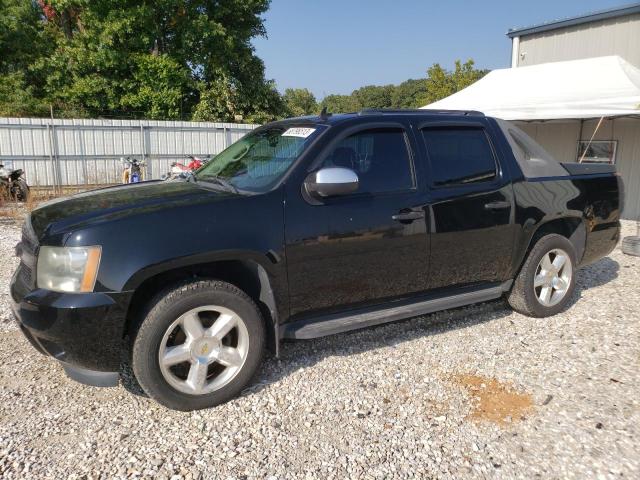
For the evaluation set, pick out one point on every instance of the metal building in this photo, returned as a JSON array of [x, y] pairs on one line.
[[617, 140], [86, 152], [609, 32]]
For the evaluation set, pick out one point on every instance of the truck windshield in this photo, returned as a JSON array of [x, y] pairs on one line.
[[258, 160]]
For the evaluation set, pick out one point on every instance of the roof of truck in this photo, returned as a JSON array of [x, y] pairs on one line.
[[333, 118]]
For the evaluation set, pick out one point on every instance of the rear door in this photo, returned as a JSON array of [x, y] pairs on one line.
[[471, 204], [362, 248]]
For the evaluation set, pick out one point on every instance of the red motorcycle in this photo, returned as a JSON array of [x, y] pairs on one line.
[[178, 169]]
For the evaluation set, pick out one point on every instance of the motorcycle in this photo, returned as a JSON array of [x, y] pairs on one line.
[[180, 169], [132, 172], [13, 184], [196, 162]]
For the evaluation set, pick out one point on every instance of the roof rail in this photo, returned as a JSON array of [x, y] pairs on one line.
[[373, 111]]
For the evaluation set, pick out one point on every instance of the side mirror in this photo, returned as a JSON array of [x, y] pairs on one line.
[[331, 181]]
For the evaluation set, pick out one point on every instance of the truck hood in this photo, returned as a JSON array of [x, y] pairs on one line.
[[63, 215]]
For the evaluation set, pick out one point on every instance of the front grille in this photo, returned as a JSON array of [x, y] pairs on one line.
[[29, 242], [26, 274], [27, 249]]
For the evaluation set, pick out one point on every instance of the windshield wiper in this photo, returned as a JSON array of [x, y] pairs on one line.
[[220, 181]]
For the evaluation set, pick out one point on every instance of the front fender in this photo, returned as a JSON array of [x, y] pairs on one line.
[[268, 261]]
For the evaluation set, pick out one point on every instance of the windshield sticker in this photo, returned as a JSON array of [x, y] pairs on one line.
[[299, 132]]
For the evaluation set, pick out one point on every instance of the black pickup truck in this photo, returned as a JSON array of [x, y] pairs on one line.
[[305, 227]]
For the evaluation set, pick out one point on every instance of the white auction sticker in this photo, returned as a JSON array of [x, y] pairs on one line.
[[299, 132]]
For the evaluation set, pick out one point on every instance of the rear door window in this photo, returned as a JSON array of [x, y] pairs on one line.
[[459, 155]]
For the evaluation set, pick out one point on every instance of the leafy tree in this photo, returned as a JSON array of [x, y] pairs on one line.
[[373, 96], [370, 96], [22, 41], [156, 86], [229, 101], [300, 102], [17, 99], [21, 37], [409, 94], [151, 59], [442, 83], [413, 93], [167, 59], [340, 103]]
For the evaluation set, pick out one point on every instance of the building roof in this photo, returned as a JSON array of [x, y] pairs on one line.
[[587, 88], [621, 11]]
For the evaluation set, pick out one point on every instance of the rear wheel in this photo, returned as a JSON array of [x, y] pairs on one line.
[[199, 346], [547, 279]]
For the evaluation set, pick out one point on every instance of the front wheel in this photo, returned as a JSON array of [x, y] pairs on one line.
[[20, 190], [547, 279], [199, 345]]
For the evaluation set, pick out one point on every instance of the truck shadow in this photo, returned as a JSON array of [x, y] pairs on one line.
[[295, 355], [595, 275]]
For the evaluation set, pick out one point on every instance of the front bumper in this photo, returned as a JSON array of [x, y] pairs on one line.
[[84, 331]]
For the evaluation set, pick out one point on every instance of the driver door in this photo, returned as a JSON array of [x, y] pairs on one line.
[[365, 247]]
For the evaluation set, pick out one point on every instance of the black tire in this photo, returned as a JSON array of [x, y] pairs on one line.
[[523, 298], [20, 190], [167, 307]]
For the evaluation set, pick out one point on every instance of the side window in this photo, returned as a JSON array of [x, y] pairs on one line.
[[379, 157], [459, 155]]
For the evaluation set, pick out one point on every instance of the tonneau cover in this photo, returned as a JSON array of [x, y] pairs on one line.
[[589, 168]]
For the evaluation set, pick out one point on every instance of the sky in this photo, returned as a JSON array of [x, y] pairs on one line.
[[336, 46]]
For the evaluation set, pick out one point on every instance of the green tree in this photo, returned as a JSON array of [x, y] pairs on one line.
[[142, 59], [340, 103], [22, 42], [300, 102], [441, 83], [372, 96], [229, 101], [409, 94]]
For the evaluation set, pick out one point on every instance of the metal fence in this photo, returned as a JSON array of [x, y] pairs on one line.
[[71, 152]]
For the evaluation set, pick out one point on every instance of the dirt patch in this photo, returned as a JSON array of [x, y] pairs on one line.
[[493, 400]]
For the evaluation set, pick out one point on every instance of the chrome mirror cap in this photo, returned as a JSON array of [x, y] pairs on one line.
[[332, 181]]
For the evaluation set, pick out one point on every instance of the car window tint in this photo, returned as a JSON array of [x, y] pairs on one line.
[[459, 155], [379, 157]]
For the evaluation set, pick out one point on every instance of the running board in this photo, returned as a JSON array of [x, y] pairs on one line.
[[322, 326]]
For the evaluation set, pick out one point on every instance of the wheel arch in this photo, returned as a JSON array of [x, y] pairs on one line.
[[571, 227], [247, 274]]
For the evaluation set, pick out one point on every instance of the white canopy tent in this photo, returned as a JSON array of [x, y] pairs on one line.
[[577, 89]]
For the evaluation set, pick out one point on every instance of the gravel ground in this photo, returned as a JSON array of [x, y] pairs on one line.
[[478, 392]]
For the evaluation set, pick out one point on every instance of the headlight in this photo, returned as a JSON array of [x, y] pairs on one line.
[[68, 269]]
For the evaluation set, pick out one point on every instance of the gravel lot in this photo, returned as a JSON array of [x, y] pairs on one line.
[[479, 392]]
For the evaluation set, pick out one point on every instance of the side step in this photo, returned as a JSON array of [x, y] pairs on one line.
[[321, 326]]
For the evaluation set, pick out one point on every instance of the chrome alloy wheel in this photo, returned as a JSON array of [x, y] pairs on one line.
[[203, 349], [553, 277]]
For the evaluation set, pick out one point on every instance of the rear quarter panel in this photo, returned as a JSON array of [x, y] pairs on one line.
[[593, 200]]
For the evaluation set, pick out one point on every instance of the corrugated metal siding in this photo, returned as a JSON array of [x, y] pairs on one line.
[[561, 140], [87, 151], [617, 36]]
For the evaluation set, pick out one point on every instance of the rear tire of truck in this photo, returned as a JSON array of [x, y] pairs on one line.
[[546, 281], [199, 346]]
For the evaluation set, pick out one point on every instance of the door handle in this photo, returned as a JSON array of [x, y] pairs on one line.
[[408, 215], [497, 205]]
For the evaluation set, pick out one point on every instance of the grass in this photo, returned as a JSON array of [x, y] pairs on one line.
[[10, 210], [16, 211]]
